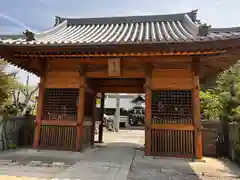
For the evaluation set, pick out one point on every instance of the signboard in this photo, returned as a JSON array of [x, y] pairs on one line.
[[114, 67], [98, 102]]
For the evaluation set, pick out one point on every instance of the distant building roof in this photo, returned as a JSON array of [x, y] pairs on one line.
[[138, 99], [125, 101]]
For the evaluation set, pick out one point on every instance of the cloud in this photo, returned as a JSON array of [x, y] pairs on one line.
[[15, 22]]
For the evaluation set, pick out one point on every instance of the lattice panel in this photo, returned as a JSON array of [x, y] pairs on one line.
[[60, 104], [172, 107], [172, 143], [58, 137]]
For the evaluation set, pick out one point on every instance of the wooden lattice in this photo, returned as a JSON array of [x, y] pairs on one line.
[[60, 104], [172, 107], [58, 137], [172, 142]]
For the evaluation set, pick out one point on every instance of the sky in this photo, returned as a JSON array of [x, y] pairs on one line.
[[39, 15]]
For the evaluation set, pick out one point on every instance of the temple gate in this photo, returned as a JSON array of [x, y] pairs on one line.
[[166, 57]]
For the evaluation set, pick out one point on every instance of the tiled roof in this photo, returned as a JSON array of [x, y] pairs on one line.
[[171, 28], [224, 33], [10, 38]]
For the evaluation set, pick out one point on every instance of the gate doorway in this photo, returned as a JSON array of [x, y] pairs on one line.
[[107, 89], [126, 133], [169, 124]]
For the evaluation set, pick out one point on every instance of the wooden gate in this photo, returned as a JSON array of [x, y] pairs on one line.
[[172, 125], [58, 120]]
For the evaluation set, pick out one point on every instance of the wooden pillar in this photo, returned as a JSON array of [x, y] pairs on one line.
[[100, 134], [39, 105], [148, 110], [196, 109], [39, 114], [93, 119], [80, 111]]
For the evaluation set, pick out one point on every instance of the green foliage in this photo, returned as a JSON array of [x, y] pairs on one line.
[[210, 104], [224, 100], [16, 98], [7, 82], [15, 109]]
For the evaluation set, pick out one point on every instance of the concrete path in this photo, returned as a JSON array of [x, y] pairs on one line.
[[150, 168], [113, 159], [119, 158], [108, 163], [30, 164], [28, 172]]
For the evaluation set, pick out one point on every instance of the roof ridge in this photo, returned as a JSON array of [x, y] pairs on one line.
[[52, 30], [11, 36], [225, 30], [126, 19]]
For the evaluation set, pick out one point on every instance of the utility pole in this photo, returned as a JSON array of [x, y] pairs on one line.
[[117, 115]]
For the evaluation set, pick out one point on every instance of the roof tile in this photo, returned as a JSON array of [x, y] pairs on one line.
[[172, 28]]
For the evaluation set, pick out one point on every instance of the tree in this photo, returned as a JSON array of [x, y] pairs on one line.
[[210, 104], [224, 100], [23, 98], [6, 83]]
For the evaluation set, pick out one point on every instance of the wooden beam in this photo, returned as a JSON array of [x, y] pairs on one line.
[[82, 69], [125, 61], [88, 89], [148, 108], [196, 65], [196, 111], [120, 89], [58, 123], [119, 82], [125, 74], [180, 127], [122, 54]]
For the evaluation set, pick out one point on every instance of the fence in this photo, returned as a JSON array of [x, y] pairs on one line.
[[234, 145], [211, 130], [18, 132]]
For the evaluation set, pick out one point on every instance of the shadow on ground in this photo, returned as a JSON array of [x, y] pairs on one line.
[[154, 168]]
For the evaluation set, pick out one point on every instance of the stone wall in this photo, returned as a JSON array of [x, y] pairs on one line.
[[12, 127], [211, 130]]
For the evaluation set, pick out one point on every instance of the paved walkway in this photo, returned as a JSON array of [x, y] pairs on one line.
[[118, 159], [149, 168], [110, 162]]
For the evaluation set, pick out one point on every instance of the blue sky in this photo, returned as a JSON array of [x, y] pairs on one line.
[[17, 15]]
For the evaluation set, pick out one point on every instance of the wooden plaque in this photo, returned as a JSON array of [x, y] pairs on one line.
[[114, 67]]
